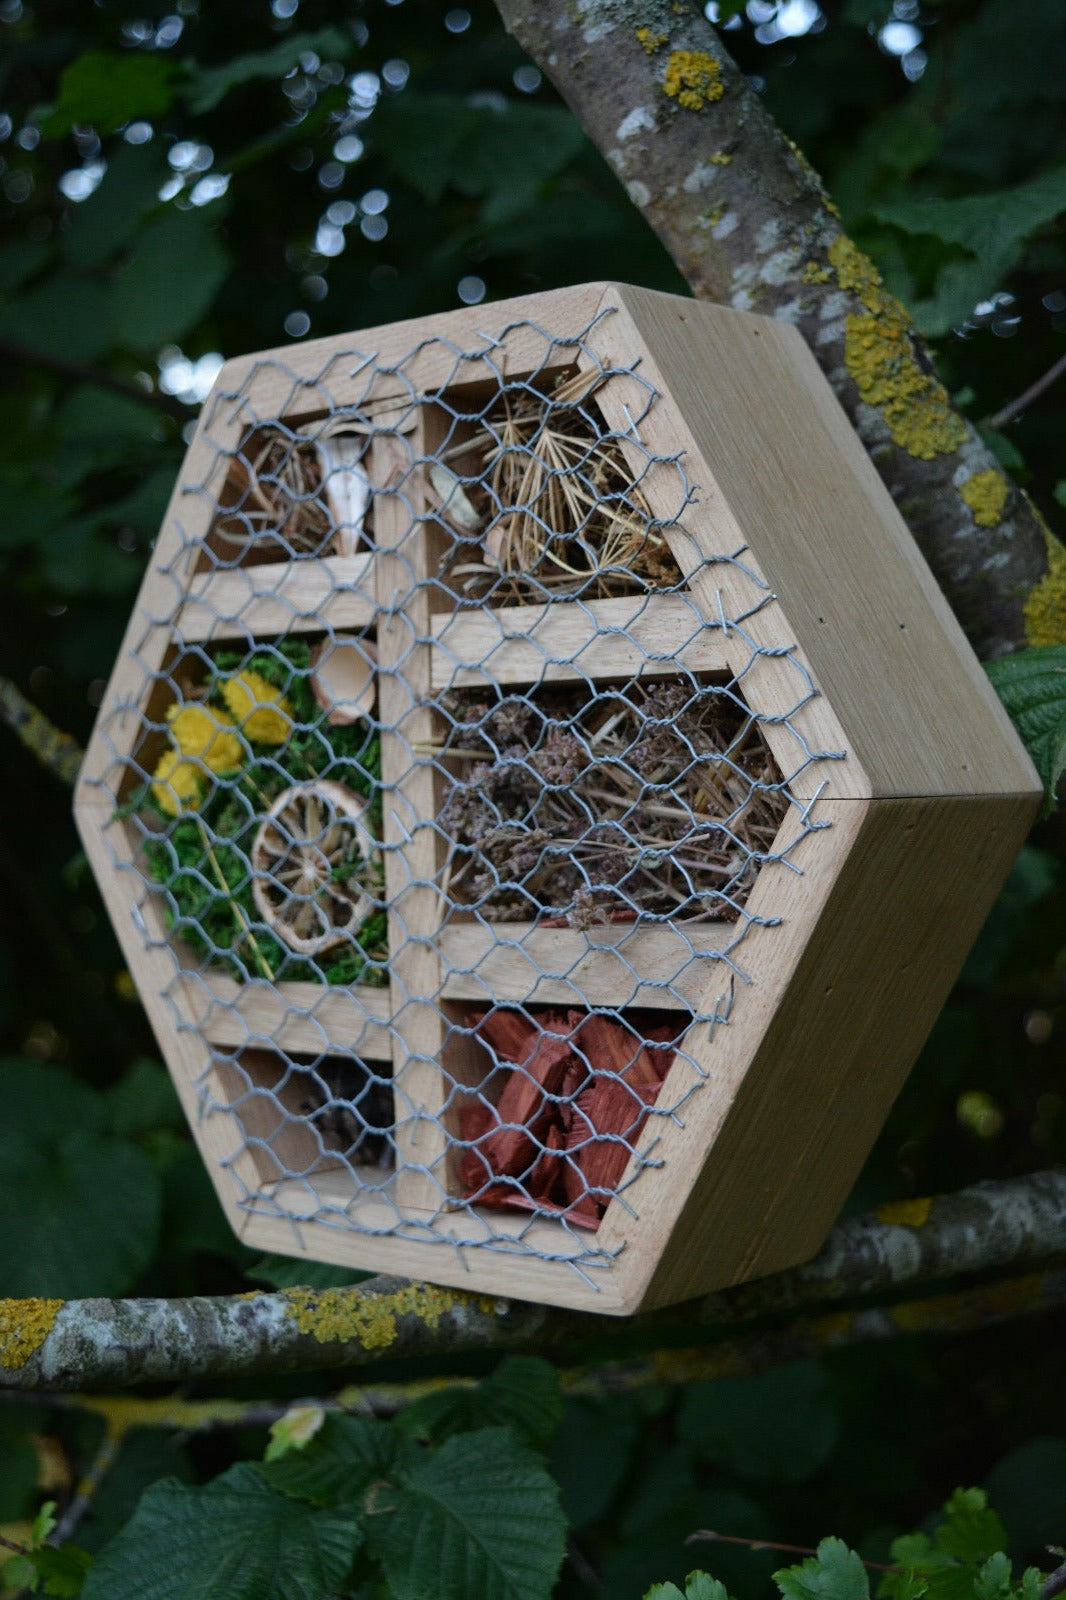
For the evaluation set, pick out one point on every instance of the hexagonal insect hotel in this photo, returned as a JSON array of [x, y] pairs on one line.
[[543, 798]]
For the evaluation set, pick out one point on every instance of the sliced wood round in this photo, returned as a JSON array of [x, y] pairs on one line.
[[307, 860], [342, 678]]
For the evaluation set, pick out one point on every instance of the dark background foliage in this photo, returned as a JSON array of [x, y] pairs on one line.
[[181, 184]]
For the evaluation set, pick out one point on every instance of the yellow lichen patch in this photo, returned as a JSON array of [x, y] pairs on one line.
[[720, 159], [813, 273], [24, 1326], [650, 41], [340, 1315], [693, 78], [1045, 608], [986, 495], [715, 215], [879, 354], [905, 1213]]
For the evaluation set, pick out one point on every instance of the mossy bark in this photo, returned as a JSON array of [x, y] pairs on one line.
[[747, 221], [990, 1228]]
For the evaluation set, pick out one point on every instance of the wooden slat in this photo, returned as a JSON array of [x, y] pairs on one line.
[[303, 1018], [624, 965], [656, 634], [280, 597], [413, 849]]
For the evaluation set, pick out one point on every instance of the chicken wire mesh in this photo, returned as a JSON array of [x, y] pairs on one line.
[[444, 801]]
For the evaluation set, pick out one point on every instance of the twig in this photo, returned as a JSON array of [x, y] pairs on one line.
[[234, 905], [1026, 398], [99, 378], [57, 752], [1054, 1583], [707, 1535], [82, 1499]]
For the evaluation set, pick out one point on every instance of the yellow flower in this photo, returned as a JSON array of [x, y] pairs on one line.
[[176, 785], [198, 733], [258, 707]]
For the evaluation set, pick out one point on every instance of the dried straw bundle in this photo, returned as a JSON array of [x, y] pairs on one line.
[[274, 493], [659, 799], [560, 509]]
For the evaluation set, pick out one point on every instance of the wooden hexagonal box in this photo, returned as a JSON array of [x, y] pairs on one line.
[[543, 798]]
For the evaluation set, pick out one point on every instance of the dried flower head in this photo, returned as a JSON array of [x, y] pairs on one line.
[[199, 733], [259, 708], [176, 784]]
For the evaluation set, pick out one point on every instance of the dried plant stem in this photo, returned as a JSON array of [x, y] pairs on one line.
[[237, 909]]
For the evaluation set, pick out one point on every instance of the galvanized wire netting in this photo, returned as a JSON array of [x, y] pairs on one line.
[[443, 798]]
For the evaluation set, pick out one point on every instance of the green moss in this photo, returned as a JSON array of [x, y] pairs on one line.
[[194, 854]]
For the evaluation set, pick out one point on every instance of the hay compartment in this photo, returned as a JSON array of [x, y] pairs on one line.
[[653, 962]]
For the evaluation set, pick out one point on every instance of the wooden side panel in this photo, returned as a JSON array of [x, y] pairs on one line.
[[884, 646], [766, 1185]]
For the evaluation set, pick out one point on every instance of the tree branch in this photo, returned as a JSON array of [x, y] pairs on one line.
[[58, 752], [960, 1311], [749, 224], [98, 377], [987, 1228]]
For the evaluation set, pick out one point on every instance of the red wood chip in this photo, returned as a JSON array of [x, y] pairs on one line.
[[569, 1114]]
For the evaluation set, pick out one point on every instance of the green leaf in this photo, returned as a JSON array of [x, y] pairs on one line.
[[345, 1456], [81, 1211], [18, 1573], [591, 1453], [970, 1531], [294, 1272], [1032, 686], [61, 1570], [101, 225], [505, 154], [18, 1474], [76, 560], [169, 282], [698, 1586], [210, 85], [1029, 1487], [522, 1393], [991, 228], [233, 1539], [65, 315], [480, 1520], [105, 90], [143, 1100], [48, 1101], [780, 1425], [19, 260], [294, 1431], [835, 1573]]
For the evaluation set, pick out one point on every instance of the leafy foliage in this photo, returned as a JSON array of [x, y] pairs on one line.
[[1032, 686]]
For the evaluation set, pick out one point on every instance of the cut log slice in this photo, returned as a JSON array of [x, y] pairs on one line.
[[308, 861], [342, 678]]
